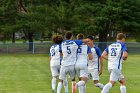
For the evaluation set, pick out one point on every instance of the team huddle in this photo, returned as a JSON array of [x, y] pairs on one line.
[[83, 59]]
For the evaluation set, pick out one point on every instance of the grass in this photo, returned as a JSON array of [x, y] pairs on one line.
[[31, 74]]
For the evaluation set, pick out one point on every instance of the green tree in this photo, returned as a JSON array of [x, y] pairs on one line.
[[32, 18], [8, 17]]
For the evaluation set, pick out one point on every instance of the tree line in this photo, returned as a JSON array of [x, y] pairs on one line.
[[79, 16]]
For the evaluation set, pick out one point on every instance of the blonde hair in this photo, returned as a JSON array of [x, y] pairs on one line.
[[120, 36]]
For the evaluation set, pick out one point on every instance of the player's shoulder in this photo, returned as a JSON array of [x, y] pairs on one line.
[[96, 48]]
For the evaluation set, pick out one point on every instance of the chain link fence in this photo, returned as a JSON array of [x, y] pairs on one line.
[[43, 47]]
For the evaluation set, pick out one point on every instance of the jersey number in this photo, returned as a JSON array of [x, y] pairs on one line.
[[68, 50], [52, 52], [113, 52], [79, 50]]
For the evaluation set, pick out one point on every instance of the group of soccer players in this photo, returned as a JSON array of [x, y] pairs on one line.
[[82, 58]]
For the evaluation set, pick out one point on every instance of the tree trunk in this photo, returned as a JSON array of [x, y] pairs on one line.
[[13, 37], [30, 38], [102, 40]]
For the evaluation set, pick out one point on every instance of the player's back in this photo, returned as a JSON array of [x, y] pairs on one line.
[[82, 54], [115, 55], [69, 50], [55, 55]]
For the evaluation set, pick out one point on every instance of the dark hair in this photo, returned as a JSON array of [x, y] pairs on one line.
[[90, 37], [120, 36], [80, 36], [68, 35], [57, 39]]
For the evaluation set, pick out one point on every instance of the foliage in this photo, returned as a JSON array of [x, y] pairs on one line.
[[80, 16]]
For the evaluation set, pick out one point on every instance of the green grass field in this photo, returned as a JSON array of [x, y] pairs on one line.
[[31, 74]]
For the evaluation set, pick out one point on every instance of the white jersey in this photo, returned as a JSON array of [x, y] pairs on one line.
[[115, 52], [55, 55], [95, 63], [69, 51], [82, 54]]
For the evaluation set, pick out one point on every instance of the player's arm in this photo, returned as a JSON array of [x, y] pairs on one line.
[[125, 53], [98, 51], [85, 41], [104, 55], [101, 65]]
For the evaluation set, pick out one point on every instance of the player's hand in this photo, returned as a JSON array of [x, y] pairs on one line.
[[124, 58], [100, 72]]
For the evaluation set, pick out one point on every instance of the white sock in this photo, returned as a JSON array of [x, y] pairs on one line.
[[106, 88], [123, 89], [53, 83], [84, 89], [99, 85], [80, 83], [59, 87], [65, 83]]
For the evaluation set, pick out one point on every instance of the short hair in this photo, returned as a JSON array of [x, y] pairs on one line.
[[68, 35], [90, 37], [120, 36], [57, 39], [80, 36]]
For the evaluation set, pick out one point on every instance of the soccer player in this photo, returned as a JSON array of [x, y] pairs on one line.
[[95, 66], [115, 54], [83, 55], [55, 59], [69, 52]]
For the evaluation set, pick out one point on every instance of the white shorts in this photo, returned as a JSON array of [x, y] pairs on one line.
[[115, 75], [67, 70], [81, 70], [94, 73], [55, 70]]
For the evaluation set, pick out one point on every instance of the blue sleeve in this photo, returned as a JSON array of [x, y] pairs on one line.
[[88, 50], [106, 50], [124, 48], [60, 48], [98, 51], [78, 42]]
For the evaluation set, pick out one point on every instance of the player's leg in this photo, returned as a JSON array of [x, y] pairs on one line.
[[95, 77], [62, 78], [77, 70], [97, 84], [114, 76], [65, 83], [83, 78], [72, 77], [55, 73], [123, 84]]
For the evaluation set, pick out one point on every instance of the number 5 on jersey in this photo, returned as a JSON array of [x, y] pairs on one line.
[[68, 50]]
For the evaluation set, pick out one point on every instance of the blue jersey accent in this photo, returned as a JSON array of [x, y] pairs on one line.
[[98, 51], [88, 50], [106, 49], [78, 42], [120, 61]]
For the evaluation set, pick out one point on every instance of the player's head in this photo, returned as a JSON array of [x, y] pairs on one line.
[[57, 39], [80, 36], [68, 35], [121, 37], [90, 40]]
